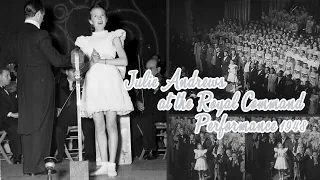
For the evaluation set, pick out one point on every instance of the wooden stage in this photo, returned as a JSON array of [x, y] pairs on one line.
[[138, 170]]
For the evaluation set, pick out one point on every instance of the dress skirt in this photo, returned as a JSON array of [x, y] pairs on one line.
[[103, 90], [201, 165], [281, 163]]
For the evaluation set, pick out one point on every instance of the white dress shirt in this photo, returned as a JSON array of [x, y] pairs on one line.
[[30, 21]]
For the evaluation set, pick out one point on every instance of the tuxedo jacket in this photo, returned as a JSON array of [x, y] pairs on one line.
[[290, 145], [281, 85], [8, 103], [312, 170], [31, 48], [219, 58]]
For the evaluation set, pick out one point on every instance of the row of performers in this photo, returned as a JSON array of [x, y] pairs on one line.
[[303, 69]]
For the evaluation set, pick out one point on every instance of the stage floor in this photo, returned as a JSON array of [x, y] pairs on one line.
[[138, 170]]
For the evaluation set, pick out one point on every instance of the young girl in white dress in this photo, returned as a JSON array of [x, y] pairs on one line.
[[281, 164], [104, 96], [232, 76], [201, 161]]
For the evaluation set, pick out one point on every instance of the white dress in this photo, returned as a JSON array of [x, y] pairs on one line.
[[103, 88], [201, 163], [281, 162], [232, 76]]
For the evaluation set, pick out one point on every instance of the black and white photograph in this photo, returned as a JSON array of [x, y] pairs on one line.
[[284, 156], [269, 46], [64, 110], [202, 156]]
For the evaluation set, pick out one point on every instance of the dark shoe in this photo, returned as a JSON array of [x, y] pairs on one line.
[[59, 160], [152, 155], [146, 154], [16, 159]]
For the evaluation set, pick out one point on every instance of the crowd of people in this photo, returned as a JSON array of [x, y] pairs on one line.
[[284, 155], [202, 156], [274, 57]]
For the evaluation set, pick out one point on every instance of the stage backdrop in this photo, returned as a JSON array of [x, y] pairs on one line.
[[143, 20]]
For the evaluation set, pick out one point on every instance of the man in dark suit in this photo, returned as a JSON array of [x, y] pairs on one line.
[[68, 117], [227, 161], [225, 64], [217, 64], [298, 88], [291, 144], [258, 81], [303, 163], [281, 85], [32, 49], [147, 105], [233, 168], [313, 167], [9, 115]]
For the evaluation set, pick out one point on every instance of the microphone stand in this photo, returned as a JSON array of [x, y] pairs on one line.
[[77, 76], [140, 72]]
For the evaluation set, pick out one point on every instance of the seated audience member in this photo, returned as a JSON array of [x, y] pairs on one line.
[[147, 105], [9, 115], [67, 116]]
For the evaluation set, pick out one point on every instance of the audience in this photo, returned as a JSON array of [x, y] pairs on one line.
[[301, 155], [9, 115], [202, 156], [270, 56]]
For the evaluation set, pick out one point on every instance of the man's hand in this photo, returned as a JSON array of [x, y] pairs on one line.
[[58, 111], [14, 115], [140, 106]]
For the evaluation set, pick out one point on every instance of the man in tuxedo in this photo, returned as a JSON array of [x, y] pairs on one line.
[[67, 116], [9, 115], [32, 49], [217, 64], [303, 163], [291, 144], [281, 85], [233, 168], [298, 88], [258, 81], [225, 64], [227, 162], [313, 167], [144, 124], [290, 87]]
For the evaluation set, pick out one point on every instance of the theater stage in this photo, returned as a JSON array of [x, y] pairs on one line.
[[138, 170]]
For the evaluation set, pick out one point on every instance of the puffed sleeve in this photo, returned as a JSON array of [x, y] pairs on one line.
[[121, 34], [80, 41]]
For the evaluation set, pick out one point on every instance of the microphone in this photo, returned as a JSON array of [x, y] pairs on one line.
[[77, 58]]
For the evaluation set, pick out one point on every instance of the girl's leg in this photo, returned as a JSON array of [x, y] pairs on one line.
[[100, 134], [112, 129], [101, 139]]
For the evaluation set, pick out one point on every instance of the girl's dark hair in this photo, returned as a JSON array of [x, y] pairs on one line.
[[97, 5]]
